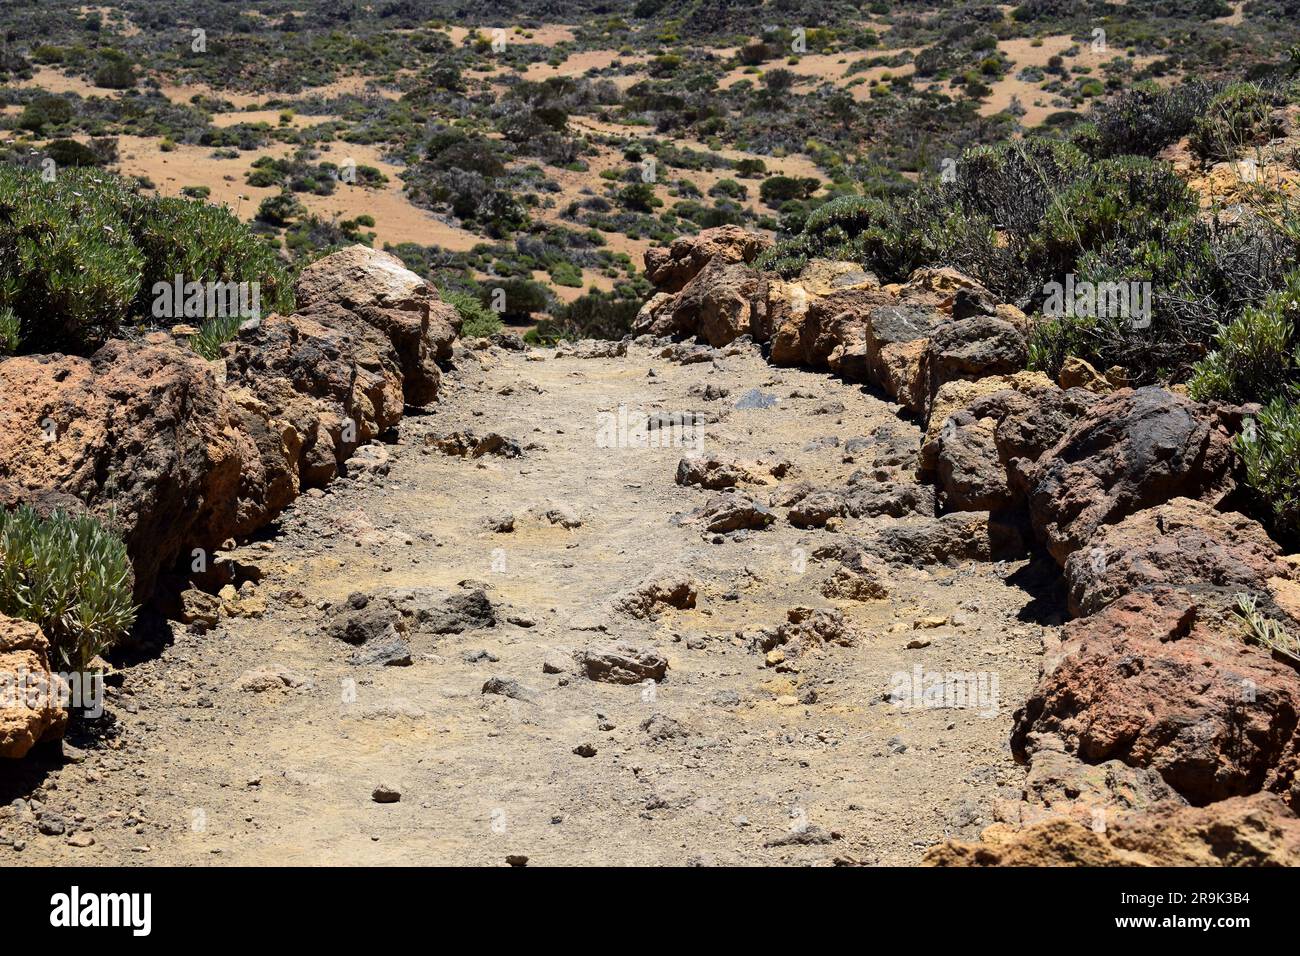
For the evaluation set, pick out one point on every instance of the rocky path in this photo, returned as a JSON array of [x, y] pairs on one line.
[[771, 738]]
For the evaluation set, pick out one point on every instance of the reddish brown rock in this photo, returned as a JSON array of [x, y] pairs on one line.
[[1182, 543], [141, 433], [672, 267], [1259, 830], [373, 297], [1129, 451], [820, 314], [183, 453], [1163, 680], [30, 696]]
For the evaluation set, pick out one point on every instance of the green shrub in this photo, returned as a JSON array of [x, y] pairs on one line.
[[1012, 184], [476, 318], [1125, 201], [1143, 120], [115, 75], [9, 332], [1202, 274], [1255, 357], [890, 237], [1270, 450], [596, 315], [281, 209], [566, 274], [213, 334], [778, 189], [68, 152], [69, 575], [206, 243], [80, 255], [45, 110], [68, 266], [1238, 118]]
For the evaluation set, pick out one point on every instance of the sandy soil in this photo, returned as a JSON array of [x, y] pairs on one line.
[[195, 770], [396, 218], [1039, 104]]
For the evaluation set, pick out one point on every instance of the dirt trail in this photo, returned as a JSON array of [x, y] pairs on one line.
[[201, 771]]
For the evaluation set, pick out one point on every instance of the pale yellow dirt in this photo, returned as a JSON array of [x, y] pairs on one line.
[[1039, 104], [204, 773]]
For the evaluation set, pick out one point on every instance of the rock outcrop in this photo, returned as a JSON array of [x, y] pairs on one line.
[[143, 435], [1182, 543], [908, 339], [1129, 451], [1164, 679], [671, 268], [1243, 831], [31, 697], [179, 453]]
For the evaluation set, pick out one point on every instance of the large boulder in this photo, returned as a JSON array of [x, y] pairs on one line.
[[1024, 434], [718, 305], [30, 696], [1164, 680], [888, 349], [141, 434], [959, 394], [1259, 830], [972, 348], [979, 451], [1129, 451], [371, 295], [672, 267], [811, 317], [1183, 543], [309, 395]]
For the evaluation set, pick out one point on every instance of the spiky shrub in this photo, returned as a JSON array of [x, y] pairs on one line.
[[1143, 120], [1236, 119], [476, 318], [70, 575], [1266, 631], [9, 331], [1013, 184], [80, 254], [1269, 447], [206, 243], [213, 334], [1255, 356], [69, 269]]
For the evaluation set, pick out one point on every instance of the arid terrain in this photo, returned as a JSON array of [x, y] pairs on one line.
[[650, 432], [728, 760]]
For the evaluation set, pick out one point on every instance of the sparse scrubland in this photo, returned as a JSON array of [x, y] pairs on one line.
[[870, 439]]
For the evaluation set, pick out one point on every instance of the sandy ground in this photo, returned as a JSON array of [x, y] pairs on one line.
[[764, 761], [1039, 104], [396, 218]]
